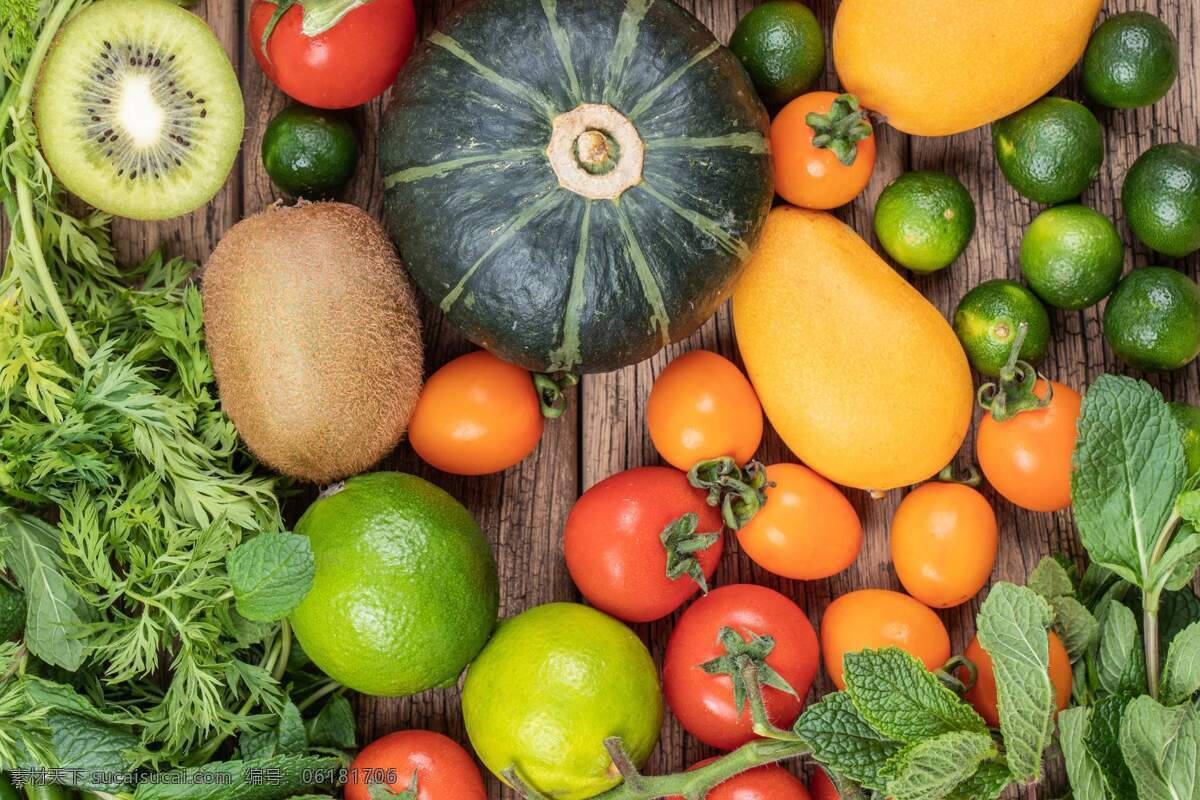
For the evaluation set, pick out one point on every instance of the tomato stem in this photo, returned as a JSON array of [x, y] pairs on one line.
[[740, 491], [552, 392], [951, 681], [682, 543], [841, 129], [1014, 391]]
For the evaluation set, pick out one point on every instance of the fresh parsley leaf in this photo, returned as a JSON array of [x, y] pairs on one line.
[[1162, 749], [271, 574], [931, 768], [842, 740], [334, 725], [1086, 780], [1102, 742], [1012, 627], [1181, 673], [1120, 664]]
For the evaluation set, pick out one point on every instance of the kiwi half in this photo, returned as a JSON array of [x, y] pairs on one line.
[[138, 109]]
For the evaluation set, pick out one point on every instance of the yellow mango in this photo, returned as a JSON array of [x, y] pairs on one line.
[[935, 68], [861, 376]]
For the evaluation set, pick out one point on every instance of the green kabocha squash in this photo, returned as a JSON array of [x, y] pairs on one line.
[[575, 183]]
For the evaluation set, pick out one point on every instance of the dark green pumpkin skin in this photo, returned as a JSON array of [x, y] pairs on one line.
[[540, 275]]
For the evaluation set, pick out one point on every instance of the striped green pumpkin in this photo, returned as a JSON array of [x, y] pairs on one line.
[[575, 183]]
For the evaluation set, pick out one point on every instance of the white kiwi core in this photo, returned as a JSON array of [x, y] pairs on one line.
[[138, 113]]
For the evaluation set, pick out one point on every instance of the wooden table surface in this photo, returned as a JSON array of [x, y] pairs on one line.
[[604, 431]]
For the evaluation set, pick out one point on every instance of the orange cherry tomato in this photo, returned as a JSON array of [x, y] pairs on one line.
[[807, 529], [444, 770], [1027, 458], [821, 788], [703, 407], [476, 415], [944, 543], [983, 694], [877, 618], [811, 176], [770, 782]]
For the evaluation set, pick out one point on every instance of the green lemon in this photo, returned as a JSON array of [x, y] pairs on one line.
[[925, 220], [550, 687], [1131, 61], [1049, 151], [1072, 256], [309, 152], [781, 45], [1188, 418], [405, 593], [12, 612], [987, 320], [1161, 197], [1152, 320]]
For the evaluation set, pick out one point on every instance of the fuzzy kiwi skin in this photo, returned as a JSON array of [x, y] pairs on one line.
[[315, 340]]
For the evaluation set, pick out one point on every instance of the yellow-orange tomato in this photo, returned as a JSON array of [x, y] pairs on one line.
[[1027, 458], [809, 176], [703, 407], [983, 694], [944, 543], [476, 415], [875, 619], [807, 530]]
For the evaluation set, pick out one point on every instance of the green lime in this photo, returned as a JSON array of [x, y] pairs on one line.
[[925, 220], [309, 152], [1131, 61], [12, 612], [550, 687], [1049, 151], [1188, 418], [987, 320], [1161, 197], [405, 593], [1152, 321], [781, 45], [1072, 256]]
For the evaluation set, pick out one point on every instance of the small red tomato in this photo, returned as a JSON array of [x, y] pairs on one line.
[[806, 530], [771, 782], [1027, 458], [334, 62], [821, 788], [443, 769], [983, 694], [476, 415], [614, 546], [702, 407], [704, 702], [877, 618]]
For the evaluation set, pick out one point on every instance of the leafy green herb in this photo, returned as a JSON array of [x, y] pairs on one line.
[[1086, 780], [334, 725], [242, 780], [1181, 673], [270, 575], [931, 768], [1162, 748], [845, 742], [1119, 660], [1102, 741]]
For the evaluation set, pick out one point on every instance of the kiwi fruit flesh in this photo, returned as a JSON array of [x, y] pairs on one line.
[[138, 109], [315, 340]]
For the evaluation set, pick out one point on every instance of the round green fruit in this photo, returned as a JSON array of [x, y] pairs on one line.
[[1049, 151], [925, 220], [309, 152], [550, 687], [987, 321], [1131, 61], [782, 46], [405, 593], [1188, 418], [1152, 320], [1072, 256], [1161, 197]]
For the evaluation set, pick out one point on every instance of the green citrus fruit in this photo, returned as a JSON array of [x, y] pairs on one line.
[[781, 45], [925, 220], [987, 320], [1131, 61], [1152, 320], [1161, 197], [309, 152], [1188, 418], [405, 593], [1049, 151], [1072, 256], [550, 687]]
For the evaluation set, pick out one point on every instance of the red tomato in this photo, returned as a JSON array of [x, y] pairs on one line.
[[807, 530], [811, 176], [771, 782], [821, 788], [445, 771], [704, 703], [613, 547], [354, 60], [877, 618], [476, 415], [983, 694], [1027, 458], [701, 407]]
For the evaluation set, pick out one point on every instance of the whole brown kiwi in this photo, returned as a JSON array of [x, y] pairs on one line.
[[314, 336]]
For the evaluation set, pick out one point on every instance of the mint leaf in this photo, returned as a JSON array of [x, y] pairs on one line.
[[1120, 664], [1129, 469], [334, 725], [902, 700], [1176, 611], [1102, 742], [843, 741], [988, 783], [1086, 781], [1179, 562], [1075, 625], [1012, 627], [271, 574], [1162, 748], [1050, 579], [286, 737], [1181, 672], [931, 768]]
